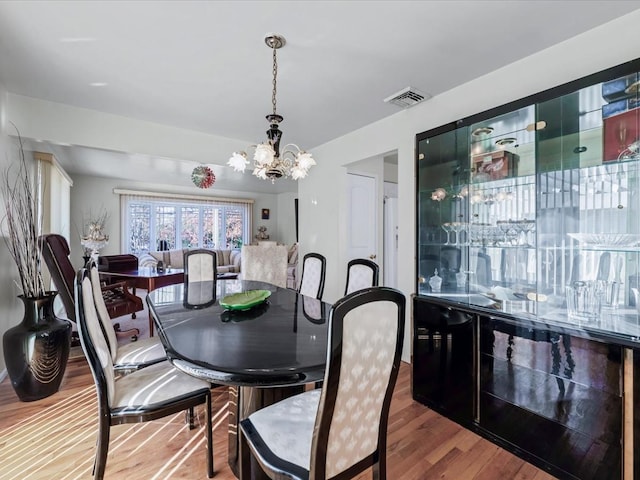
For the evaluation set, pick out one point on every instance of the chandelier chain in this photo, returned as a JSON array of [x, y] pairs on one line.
[[275, 76]]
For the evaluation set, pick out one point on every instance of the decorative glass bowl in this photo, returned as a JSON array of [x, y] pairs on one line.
[[624, 240], [244, 300]]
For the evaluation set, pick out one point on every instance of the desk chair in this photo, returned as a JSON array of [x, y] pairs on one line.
[[313, 272], [340, 430], [200, 273], [130, 356], [118, 299], [144, 395], [361, 273]]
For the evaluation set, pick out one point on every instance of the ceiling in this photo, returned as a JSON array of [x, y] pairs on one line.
[[203, 65]]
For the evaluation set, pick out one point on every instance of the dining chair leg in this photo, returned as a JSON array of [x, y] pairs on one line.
[[380, 469], [102, 448], [244, 455], [190, 421], [209, 437], [376, 471]]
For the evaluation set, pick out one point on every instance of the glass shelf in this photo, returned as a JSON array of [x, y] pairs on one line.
[[539, 201]]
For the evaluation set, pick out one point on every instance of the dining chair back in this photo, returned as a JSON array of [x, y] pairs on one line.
[[361, 273], [200, 265], [340, 430], [144, 395], [200, 274], [265, 263], [313, 272], [129, 356], [314, 310]]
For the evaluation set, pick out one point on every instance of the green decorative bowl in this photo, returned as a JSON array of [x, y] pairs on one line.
[[244, 300]]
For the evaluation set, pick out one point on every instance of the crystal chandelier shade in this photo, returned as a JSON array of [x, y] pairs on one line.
[[269, 162]]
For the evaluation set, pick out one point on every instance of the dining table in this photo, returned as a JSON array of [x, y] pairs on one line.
[[264, 352]]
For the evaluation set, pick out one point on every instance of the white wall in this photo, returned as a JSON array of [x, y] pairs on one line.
[[286, 226], [61, 123], [11, 310], [390, 172], [321, 202], [92, 194]]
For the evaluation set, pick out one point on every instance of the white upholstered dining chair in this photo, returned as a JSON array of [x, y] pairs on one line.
[[361, 273], [340, 430], [147, 394], [313, 273], [265, 263], [200, 274], [130, 356]]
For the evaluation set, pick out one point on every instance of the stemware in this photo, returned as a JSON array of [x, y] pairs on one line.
[[528, 227], [505, 228], [458, 228], [448, 228]]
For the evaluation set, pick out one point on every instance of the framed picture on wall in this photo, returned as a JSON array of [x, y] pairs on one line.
[[265, 214]]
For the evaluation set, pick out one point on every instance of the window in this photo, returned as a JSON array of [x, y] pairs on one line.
[[149, 221]]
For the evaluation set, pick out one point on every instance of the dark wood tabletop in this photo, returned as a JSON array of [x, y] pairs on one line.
[[280, 344], [276, 343]]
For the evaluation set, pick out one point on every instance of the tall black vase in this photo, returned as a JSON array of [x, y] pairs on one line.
[[36, 351]]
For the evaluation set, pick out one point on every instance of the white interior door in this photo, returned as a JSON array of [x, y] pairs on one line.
[[363, 217]]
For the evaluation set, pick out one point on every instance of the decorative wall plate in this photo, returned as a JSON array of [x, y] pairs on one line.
[[203, 177]]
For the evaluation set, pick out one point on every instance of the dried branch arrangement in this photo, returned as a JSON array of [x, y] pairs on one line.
[[94, 226], [22, 224]]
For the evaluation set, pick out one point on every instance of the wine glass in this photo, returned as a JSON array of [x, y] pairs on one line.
[[505, 228], [528, 227], [448, 228], [457, 227]]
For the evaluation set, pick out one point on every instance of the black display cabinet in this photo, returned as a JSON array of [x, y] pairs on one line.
[[526, 325]]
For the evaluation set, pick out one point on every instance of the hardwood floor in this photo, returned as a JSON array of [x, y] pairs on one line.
[[54, 438]]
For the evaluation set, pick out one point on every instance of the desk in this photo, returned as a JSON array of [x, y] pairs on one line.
[[278, 344], [147, 279]]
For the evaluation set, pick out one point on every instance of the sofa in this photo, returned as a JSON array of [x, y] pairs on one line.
[[228, 260]]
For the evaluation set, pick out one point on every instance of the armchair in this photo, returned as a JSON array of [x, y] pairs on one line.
[[118, 300]]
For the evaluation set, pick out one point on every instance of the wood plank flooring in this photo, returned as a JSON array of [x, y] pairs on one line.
[[54, 438]]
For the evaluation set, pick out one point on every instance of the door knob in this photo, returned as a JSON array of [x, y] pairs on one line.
[[372, 256]]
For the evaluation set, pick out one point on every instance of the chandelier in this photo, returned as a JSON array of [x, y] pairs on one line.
[[268, 161]]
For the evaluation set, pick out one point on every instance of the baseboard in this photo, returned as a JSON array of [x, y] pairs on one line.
[[3, 375]]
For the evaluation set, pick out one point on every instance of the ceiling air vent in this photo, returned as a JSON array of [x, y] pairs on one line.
[[407, 97]]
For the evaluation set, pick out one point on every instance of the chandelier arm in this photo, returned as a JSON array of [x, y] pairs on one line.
[[286, 148]]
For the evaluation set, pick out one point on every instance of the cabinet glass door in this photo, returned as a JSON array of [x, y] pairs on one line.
[[534, 212], [443, 177], [588, 207], [502, 202]]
